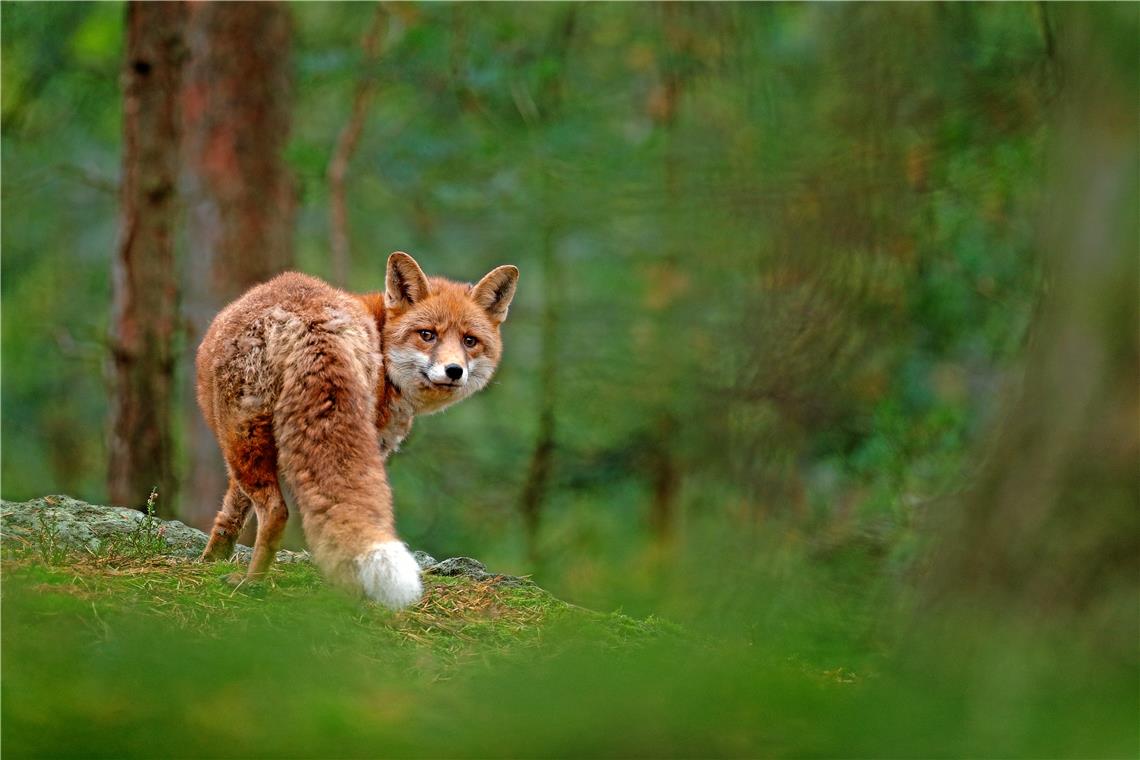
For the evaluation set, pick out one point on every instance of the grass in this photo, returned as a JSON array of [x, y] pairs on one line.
[[110, 654], [113, 654], [456, 617]]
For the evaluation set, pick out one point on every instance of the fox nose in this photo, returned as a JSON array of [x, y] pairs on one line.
[[454, 371]]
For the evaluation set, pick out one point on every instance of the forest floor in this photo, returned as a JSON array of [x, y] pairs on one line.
[[128, 647], [458, 617]]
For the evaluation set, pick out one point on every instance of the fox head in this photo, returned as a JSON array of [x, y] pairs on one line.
[[441, 338]]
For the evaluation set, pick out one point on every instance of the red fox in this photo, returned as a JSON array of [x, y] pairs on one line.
[[299, 379]]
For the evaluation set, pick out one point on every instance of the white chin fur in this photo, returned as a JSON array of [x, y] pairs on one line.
[[390, 575]]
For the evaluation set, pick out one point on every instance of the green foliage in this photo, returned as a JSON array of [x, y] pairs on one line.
[[60, 151], [827, 237]]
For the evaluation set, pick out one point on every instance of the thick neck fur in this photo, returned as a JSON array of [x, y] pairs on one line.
[[439, 340], [394, 412]]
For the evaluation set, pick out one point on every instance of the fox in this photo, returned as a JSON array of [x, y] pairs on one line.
[[315, 387]]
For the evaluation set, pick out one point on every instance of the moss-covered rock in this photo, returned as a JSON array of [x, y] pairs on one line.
[[67, 523], [60, 522], [100, 560]]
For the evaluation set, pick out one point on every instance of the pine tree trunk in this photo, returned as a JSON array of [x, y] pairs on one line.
[[240, 196], [145, 285]]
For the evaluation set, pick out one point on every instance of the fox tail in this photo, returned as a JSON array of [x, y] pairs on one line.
[[328, 452]]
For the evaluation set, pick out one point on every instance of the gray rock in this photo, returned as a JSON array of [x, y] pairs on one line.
[[474, 569], [243, 553], [423, 559], [77, 524]]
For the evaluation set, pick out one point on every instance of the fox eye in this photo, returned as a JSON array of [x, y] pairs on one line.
[[427, 335], [470, 341]]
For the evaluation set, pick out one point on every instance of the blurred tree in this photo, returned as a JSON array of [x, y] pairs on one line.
[[1052, 526], [339, 243], [677, 29], [545, 109], [145, 285], [792, 249], [237, 103]]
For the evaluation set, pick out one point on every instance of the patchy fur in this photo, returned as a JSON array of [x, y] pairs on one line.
[[301, 379]]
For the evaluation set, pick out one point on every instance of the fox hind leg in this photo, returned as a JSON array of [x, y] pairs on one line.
[[272, 515], [252, 456], [228, 524]]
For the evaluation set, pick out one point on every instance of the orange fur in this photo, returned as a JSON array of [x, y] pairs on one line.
[[299, 379]]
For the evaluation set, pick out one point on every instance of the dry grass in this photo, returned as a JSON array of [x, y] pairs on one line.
[[458, 617]]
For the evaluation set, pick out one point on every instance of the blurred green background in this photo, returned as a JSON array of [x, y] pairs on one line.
[[799, 292], [788, 268]]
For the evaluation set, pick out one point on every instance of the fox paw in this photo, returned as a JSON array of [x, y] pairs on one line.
[[242, 582], [218, 553], [235, 580]]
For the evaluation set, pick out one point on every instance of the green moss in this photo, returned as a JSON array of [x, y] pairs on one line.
[[160, 657], [115, 657], [457, 615]]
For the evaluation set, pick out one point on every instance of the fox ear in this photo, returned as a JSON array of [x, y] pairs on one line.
[[495, 291], [405, 283]]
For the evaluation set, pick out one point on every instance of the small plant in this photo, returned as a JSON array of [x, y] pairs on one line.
[[48, 541], [147, 539]]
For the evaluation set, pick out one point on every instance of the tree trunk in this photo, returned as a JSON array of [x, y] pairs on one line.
[[339, 242], [538, 472], [144, 281], [664, 474], [1053, 527], [550, 98], [239, 193]]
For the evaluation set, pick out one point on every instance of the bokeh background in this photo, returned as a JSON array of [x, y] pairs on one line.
[[818, 302], [777, 261]]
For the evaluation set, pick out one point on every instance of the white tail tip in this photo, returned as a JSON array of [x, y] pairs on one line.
[[390, 575]]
